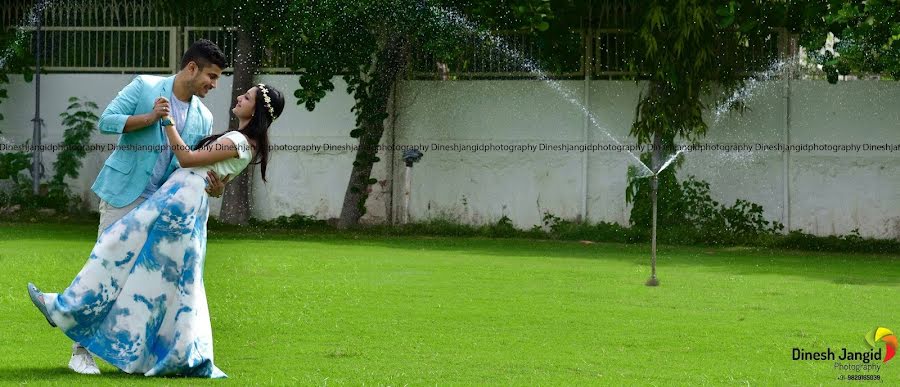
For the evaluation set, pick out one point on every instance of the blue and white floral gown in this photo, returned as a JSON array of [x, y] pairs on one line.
[[139, 303]]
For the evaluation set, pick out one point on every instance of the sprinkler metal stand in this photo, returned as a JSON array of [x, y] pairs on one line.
[[410, 157], [653, 281]]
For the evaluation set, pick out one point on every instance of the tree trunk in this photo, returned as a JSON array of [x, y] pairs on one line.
[[390, 62], [236, 200]]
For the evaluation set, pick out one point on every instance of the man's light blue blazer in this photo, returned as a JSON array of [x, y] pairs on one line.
[[126, 172]]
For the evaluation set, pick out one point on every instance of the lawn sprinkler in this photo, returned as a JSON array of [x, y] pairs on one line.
[[410, 157], [655, 158]]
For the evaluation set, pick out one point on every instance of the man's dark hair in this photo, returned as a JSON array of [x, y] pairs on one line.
[[203, 52]]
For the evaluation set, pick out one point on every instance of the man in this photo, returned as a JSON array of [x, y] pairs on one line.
[[142, 160]]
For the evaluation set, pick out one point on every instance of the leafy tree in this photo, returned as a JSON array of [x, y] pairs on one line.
[[867, 36], [689, 50], [368, 44], [14, 59], [258, 26]]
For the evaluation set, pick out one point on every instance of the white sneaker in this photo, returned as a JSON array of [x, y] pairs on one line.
[[82, 362]]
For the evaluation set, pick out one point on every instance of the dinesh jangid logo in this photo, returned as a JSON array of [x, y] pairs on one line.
[[861, 365], [889, 339]]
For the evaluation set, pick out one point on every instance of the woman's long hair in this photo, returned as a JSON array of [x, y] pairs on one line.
[[258, 127]]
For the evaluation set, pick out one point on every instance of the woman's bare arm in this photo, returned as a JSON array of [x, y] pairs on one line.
[[223, 149]]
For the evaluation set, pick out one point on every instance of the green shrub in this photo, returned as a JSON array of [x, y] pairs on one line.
[[687, 213], [80, 121]]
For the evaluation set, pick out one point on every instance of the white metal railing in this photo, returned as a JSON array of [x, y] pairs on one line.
[[608, 52], [225, 37], [109, 49], [505, 57], [137, 49], [158, 49], [133, 36], [84, 13]]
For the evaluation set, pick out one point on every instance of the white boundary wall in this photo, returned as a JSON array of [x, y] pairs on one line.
[[821, 192]]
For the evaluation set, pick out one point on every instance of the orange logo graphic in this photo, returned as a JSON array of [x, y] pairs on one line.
[[889, 339]]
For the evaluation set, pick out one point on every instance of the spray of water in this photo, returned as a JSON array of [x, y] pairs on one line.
[[29, 21], [444, 15], [752, 84], [669, 160]]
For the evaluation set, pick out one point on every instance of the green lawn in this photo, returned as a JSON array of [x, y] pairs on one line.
[[356, 309]]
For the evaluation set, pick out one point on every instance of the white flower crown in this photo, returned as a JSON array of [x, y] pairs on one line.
[[267, 99]]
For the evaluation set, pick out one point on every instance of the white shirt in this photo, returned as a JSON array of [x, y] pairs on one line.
[[179, 113], [233, 166]]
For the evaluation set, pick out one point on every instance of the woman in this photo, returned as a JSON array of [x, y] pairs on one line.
[[139, 302]]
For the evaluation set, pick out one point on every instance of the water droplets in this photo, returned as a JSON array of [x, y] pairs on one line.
[[30, 21], [447, 16], [752, 83]]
